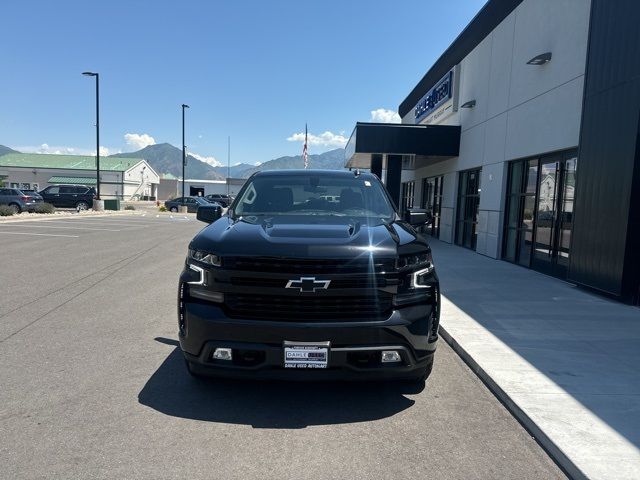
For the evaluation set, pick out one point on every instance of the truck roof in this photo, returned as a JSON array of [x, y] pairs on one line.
[[301, 172]]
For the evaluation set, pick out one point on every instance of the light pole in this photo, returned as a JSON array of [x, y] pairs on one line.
[[184, 151], [94, 74]]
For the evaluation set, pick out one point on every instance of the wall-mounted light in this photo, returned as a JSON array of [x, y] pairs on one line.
[[469, 104], [540, 59]]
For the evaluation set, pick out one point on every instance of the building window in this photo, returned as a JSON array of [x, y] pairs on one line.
[[539, 212], [407, 195], [467, 211], [432, 201]]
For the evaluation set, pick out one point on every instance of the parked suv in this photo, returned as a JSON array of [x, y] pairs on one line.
[[192, 204], [221, 198], [289, 284], [18, 200], [69, 196]]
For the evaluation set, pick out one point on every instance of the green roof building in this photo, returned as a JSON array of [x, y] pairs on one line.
[[124, 178]]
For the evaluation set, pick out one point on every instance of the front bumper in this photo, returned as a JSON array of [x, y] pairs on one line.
[[355, 347]]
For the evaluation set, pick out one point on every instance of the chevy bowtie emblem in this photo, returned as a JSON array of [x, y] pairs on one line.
[[308, 284]]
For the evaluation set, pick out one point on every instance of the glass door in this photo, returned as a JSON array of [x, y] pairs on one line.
[[554, 215], [432, 200], [467, 211], [565, 220], [521, 205]]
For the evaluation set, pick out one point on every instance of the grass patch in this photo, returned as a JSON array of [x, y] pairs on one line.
[[44, 208], [129, 207], [6, 211], [162, 208]]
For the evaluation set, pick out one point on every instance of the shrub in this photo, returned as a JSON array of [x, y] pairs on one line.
[[44, 208], [6, 211], [129, 207], [162, 208]]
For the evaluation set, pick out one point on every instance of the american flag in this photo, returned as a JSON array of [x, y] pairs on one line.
[[304, 149]]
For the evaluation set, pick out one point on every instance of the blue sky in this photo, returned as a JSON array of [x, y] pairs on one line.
[[254, 70]]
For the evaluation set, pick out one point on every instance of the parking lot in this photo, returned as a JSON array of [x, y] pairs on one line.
[[93, 384]]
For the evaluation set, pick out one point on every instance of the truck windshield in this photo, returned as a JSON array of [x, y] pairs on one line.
[[329, 195]]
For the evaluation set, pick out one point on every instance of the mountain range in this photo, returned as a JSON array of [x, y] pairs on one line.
[[165, 158], [4, 150]]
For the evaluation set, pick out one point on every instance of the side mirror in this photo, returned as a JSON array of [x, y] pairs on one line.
[[208, 214], [417, 216]]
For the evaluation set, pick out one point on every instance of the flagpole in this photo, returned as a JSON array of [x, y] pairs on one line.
[[305, 148], [228, 162]]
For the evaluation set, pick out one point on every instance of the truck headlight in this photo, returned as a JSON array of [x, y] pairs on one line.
[[204, 257], [419, 278], [419, 261], [416, 279]]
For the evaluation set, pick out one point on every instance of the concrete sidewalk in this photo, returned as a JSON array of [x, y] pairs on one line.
[[565, 361]]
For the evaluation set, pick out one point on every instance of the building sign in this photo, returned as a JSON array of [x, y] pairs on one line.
[[437, 96]]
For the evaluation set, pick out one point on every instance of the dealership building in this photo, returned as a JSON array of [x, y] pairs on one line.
[[523, 139]]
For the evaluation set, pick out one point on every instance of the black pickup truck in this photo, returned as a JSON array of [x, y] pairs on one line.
[[290, 285]]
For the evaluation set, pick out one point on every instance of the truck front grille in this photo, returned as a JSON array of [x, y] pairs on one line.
[[308, 308], [351, 281], [305, 266]]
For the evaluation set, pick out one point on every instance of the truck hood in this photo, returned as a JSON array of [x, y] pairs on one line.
[[307, 237]]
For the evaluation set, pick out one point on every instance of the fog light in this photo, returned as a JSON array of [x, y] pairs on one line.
[[390, 356], [222, 354]]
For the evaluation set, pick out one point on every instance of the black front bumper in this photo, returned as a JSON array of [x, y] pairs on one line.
[[355, 346]]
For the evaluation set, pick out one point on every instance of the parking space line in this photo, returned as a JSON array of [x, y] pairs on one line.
[[98, 223], [108, 219], [40, 234], [67, 228]]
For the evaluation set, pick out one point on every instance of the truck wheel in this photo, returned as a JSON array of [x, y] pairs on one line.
[[82, 206], [191, 370], [420, 379], [173, 209]]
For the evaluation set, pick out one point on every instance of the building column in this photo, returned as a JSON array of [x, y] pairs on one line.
[[394, 176], [376, 164]]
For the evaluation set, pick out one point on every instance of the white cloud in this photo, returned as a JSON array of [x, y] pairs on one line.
[[326, 139], [62, 150], [382, 115], [139, 140], [210, 160], [46, 148]]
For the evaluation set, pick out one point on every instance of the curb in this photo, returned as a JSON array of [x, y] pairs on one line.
[[556, 454], [48, 216]]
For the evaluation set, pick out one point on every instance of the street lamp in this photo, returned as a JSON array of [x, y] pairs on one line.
[[94, 74], [184, 151]]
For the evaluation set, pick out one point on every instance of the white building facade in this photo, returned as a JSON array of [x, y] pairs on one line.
[[515, 141], [123, 178]]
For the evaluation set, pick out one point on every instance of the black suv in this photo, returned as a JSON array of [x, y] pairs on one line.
[[290, 285], [69, 196], [221, 198]]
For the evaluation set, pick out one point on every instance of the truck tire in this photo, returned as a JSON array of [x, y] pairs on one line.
[[192, 372]]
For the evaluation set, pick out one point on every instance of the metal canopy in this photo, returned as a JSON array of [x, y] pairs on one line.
[[430, 141]]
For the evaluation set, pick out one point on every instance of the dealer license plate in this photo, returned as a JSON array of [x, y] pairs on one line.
[[306, 355]]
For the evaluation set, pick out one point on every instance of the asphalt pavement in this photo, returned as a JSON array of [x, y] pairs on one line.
[[92, 384]]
